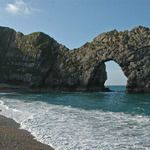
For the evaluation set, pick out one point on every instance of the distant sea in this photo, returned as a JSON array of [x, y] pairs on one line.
[[83, 121]]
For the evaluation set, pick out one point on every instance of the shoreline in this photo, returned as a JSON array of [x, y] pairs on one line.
[[5, 87], [13, 138]]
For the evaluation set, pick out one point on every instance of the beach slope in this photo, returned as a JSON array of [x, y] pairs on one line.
[[13, 138]]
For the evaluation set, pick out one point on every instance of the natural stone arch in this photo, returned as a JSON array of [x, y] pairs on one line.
[[98, 75], [129, 49], [40, 63]]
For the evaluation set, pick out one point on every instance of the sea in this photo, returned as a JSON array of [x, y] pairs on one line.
[[83, 121]]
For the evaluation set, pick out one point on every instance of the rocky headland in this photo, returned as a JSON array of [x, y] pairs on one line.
[[39, 63]]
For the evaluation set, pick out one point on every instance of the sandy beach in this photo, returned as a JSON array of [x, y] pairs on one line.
[[13, 138]]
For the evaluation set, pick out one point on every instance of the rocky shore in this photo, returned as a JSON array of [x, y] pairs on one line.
[[13, 138], [39, 63]]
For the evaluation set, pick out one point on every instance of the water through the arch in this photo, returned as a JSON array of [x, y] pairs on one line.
[[116, 80]]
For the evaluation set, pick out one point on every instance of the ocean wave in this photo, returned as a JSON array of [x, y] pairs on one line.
[[71, 128]]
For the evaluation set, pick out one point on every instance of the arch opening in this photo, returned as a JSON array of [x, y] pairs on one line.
[[116, 79]]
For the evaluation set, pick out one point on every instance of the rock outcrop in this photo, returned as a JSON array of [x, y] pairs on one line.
[[39, 62]]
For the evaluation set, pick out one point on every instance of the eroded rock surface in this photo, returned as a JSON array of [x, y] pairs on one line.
[[39, 62]]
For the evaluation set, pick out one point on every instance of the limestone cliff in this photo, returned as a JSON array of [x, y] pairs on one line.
[[39, 62]]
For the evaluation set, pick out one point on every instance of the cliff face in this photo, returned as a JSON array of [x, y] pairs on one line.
[[39, 62], [27, 59]]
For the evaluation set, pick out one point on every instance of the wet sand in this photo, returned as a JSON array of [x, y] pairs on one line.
[[13, 138]]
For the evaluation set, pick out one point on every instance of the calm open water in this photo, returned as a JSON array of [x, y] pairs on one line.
[[83, 121]]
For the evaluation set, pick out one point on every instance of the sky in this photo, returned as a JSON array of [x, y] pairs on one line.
[[75, 22]]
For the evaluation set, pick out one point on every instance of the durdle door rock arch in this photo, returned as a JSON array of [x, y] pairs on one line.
[[38, 62]]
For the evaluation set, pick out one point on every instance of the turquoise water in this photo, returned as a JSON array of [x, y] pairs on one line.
[[116, 101], [83, 121]]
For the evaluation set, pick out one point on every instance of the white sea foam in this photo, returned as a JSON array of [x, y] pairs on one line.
[[67, 128]]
